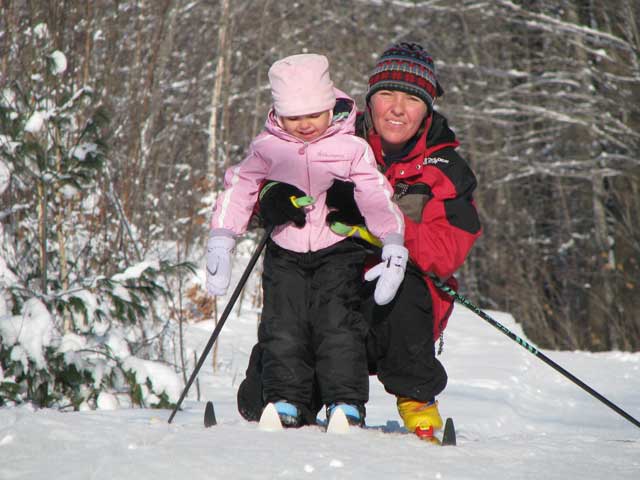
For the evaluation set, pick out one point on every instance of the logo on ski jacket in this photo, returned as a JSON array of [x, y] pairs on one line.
[[434, 160], [331, 155]]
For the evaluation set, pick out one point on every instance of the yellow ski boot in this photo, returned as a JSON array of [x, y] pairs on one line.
[[421, 418]]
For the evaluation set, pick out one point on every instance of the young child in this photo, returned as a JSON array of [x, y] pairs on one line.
[[310, 324]]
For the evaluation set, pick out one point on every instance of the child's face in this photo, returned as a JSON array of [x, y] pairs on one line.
[[307, 127]]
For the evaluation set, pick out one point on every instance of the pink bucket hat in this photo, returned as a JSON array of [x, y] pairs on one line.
[[300, 85]]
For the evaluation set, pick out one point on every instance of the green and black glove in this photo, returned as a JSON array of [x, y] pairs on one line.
[[281, 203], [340, 199], [345, 219]]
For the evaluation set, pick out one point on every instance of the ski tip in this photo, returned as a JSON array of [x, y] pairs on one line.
[[209, 415], [338, 422], [270, 420], [427, 435], [449, 435]]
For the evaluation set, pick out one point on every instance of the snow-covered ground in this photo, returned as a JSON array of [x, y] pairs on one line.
[[516, 418]]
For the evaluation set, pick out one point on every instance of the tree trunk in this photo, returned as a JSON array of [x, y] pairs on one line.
[[42, 234], [88, 45], [601, 318], [258, 121], [212, 155], [67, 321]]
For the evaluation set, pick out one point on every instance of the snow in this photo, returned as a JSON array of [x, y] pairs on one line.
[[163, 377], [80, 152], [7, 97], [136, 270], [41, 31], [107, 401], [7, 277], [120, 291], [10, 147], [59, 62], [5, 173], [36, 121], [71, 342], [69, 191], [33, 330], [515, 417], [89, 301], [117, 343]]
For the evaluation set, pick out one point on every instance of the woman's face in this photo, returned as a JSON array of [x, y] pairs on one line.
[[396, 116]]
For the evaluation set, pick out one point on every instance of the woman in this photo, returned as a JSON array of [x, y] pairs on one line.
[[415, 148]]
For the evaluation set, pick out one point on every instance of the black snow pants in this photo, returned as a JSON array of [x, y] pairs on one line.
[[312, 333], [399, 347]]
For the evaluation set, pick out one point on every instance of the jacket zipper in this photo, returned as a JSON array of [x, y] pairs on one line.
[[304, 150]]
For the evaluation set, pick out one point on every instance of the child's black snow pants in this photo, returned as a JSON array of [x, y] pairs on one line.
[[311, 329], [400, 349]]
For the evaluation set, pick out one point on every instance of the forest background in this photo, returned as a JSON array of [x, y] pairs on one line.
[[118, 119]]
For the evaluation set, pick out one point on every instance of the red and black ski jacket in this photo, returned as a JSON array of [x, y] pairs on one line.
[[434, 188]]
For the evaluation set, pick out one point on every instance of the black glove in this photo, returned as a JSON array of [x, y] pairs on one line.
[[340, 198], [276, 206]]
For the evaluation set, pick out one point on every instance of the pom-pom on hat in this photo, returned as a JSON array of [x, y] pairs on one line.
[[300, 85], [409, 68]]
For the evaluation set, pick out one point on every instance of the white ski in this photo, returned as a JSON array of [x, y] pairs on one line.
[[338, 422], [269, 420]]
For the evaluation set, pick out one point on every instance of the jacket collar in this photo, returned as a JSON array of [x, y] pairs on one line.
[[434, 135]]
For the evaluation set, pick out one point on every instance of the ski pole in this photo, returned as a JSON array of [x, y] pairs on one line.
[[464, 301], [224, 316]]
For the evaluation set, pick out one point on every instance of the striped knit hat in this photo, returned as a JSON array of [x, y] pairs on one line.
[[409, 68]]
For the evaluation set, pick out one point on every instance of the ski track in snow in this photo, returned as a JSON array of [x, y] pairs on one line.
[[516, 418]]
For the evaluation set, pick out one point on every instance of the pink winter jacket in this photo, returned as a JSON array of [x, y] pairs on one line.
[[312, 167]]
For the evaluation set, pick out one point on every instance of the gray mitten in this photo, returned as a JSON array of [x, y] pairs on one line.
[[219, 250]]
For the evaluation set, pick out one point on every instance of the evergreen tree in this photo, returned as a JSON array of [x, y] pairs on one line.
[[73, 327]]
